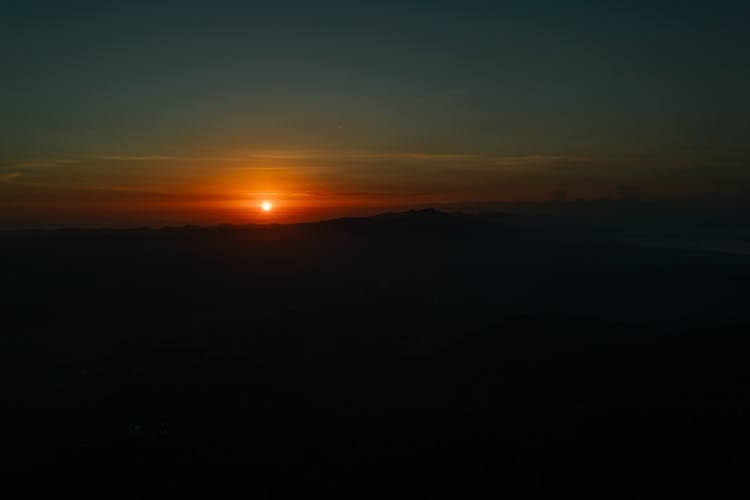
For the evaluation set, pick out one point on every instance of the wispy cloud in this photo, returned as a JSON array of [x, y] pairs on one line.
[[165, 158], [274, 160], [27, 165], [285, 160], [323, 155], [142, 158], [415, 157], [534, 159], [9, 177]]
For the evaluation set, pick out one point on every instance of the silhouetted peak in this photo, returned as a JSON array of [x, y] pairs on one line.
[[429, 212], [414, 214]]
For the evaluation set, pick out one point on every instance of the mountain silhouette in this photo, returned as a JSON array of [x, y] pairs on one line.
[[308, 359]]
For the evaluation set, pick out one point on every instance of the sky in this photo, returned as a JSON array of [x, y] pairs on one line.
[[148, 113]]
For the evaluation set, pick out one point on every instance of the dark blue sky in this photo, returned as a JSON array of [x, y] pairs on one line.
[[586, 96]]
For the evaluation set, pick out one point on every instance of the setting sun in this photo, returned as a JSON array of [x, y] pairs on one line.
[[266, 206]]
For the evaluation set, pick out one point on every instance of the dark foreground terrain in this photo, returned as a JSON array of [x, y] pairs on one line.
[[409, 355]]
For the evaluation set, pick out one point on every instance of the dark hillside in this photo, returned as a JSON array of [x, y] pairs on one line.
[[524, 356]]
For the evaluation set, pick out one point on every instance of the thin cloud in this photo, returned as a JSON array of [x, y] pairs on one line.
[[335, 155], [284, 160], [143, 158], [40, 164], [166, 158], [9, 177]]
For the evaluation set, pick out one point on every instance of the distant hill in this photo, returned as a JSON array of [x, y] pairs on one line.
[[353, 357]]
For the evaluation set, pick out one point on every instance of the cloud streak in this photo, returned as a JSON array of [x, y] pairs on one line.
[[347, 170], [355, 156], [9, 177]]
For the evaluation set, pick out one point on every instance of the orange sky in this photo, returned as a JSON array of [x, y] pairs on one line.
[[306, 185]]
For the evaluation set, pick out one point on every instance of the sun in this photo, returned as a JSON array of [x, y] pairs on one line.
[[266, 206]]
